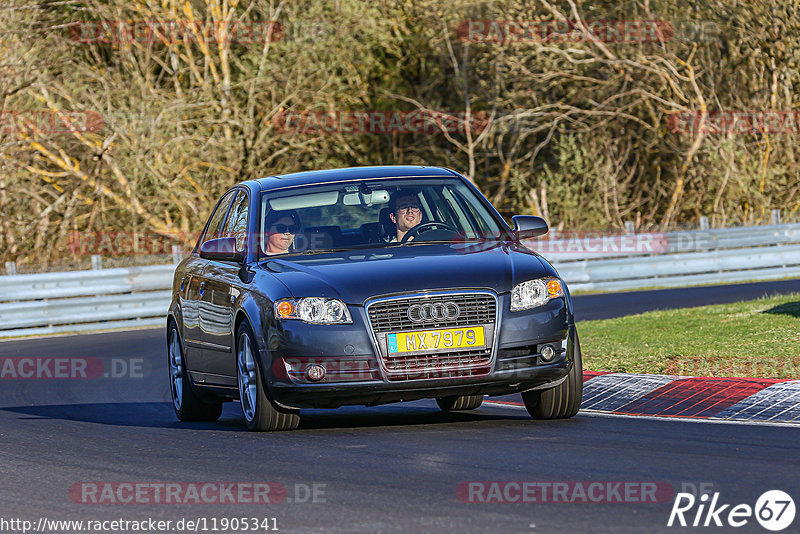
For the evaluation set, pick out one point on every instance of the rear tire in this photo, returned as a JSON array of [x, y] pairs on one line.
[[189, 405], [564, 400], [461, 402], [260, 413]]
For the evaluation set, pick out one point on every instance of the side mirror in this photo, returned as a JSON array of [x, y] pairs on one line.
[[222, 249], [528, 226]]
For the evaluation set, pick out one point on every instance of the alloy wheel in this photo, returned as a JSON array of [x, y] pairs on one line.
[[176, 369], [248, 387]]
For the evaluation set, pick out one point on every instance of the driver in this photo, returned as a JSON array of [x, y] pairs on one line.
[[406, 213]]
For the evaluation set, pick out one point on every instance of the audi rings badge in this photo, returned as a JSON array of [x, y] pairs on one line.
[[439, 311]]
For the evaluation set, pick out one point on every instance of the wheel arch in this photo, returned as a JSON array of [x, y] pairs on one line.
[[249, 310], [258, 314], [174, 314], [253, 312]]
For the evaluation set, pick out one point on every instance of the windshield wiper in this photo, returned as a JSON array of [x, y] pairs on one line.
[[452, 241], [430, 242], [340, 249]]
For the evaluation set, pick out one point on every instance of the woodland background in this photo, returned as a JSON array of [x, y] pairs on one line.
[[579, 131]]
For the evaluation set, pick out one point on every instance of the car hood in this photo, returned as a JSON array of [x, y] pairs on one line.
[[358, 275]]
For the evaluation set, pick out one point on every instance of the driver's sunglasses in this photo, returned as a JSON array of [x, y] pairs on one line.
[[412, 207], [285, 228]]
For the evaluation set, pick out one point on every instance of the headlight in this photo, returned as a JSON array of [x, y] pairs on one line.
[[534, 293], [316, 310]]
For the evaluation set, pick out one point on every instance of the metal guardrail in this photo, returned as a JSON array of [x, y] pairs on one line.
[[33, 304], [585, 247], [737, 265], [676, 258], [51, 303], [85, 283]]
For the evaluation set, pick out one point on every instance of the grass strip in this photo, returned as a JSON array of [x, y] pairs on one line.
[[756, 338]]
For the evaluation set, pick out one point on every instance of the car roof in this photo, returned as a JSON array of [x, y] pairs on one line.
[[349, 174]]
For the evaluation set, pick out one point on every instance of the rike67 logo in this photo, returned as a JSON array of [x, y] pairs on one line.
[[774, 510]]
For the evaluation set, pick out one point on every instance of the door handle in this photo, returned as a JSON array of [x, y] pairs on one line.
[[202, 288]]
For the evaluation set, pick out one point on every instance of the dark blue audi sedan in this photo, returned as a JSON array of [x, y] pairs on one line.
[[366, 286]]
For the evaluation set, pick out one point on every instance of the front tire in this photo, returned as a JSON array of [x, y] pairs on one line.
[[259, 412], [189, 405], [564, 400], [461, 402]]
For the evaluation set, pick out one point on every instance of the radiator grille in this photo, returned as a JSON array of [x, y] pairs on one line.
[[392, 315], [420, 364]]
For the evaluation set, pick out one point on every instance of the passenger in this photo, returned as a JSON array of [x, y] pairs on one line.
[[280, 228], [406, 213]]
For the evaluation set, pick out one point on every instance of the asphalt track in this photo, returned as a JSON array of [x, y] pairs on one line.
[[394, 468]]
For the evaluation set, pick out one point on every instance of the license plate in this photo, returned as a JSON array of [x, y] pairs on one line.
[[433, 340]]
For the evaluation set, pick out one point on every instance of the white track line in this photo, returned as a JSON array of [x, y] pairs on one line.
[[593, 413]]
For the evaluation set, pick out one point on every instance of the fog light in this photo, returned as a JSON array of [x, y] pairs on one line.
[[315, 372], [548, 353]]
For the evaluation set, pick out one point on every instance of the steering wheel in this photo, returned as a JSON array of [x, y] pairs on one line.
[[418, 229]]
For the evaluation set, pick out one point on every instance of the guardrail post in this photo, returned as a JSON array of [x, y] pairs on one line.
[[11, 267], [704, 223], [177, 254], [630, 228], [776, 216], [97, 262]]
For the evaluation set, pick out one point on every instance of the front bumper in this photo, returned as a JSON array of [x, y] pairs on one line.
[[373, 393], [357, 378]]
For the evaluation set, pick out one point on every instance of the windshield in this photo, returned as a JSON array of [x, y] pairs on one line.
[[372, 214]]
